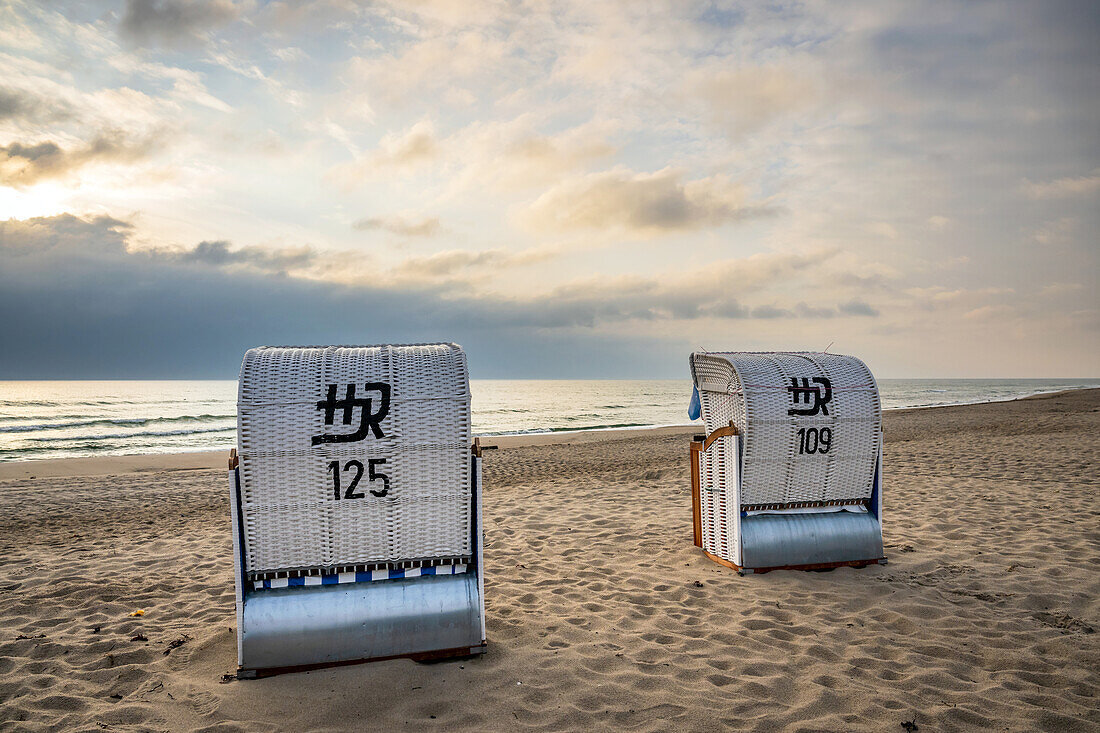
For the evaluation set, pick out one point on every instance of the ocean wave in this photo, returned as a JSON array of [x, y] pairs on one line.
[[578, 429], [25, 402], [127, 421], [128, 436], [607, 426], [25, 418], [66, 403]]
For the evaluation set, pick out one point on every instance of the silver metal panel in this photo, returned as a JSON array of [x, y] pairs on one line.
[[479, 540], [289, 627], [777, 540]]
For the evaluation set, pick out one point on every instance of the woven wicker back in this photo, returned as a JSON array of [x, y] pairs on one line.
[[353, 455], [812, 422]]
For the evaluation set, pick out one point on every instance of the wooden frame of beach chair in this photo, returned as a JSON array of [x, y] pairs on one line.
[[789, 475], [356, 507]]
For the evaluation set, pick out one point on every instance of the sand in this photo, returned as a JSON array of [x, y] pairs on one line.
[[601, 613]]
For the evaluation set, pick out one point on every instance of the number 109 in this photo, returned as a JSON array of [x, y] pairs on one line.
[[812, 440]]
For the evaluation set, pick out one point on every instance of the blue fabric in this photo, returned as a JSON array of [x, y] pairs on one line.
[[695, 409]]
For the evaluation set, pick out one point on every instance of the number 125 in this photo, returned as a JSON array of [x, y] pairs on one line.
[[372, 475]]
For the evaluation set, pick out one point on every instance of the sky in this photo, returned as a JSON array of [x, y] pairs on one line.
[[567, 189]]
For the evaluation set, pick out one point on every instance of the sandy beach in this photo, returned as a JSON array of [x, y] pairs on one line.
[[601, 613]]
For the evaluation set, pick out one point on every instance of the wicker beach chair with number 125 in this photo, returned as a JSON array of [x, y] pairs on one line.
[[356, 506]]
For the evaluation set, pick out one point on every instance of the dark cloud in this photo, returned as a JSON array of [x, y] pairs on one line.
[[88, 306], [173, 22], [14, 105], [22, 165], [857, 308], [18, 104], [219, 254], [25, 165], [770, 311], [808, 311]]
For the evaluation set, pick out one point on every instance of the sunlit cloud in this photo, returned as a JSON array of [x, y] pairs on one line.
[[1064, 187], [640, 202], [741, 101], [408, 225], [24, 165]]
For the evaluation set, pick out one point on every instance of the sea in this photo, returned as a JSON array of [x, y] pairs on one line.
[[71, 419]]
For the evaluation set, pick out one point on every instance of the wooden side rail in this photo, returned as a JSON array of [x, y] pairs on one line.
[[699, 445], [721, 432]]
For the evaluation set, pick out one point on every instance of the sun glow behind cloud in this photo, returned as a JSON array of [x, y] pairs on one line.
[[914, 182]]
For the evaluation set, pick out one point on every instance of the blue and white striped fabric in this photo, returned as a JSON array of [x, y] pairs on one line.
[[359, 577]]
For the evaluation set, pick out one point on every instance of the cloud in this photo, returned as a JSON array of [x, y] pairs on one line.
[[882, 229], [857, 308], [19, 104], [515, 155], [218, 254], [1064, 187], [91, 304], [808, 311], [508, 156], [1060, 289], [448, 263], [448, 70], [173, 22], [557, 152], [453, 13], [37, 238], [963, 131], [990, 312], [406, 225], [959, 299], [90, 307], [397, 153], [642, 203], [99, 249], [1057, 232], [24, 165], [706, 292], [417, 145], [743, 101], [770, 311]]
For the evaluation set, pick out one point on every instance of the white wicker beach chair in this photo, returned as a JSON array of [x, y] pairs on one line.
[[789, 474], [356, 504]]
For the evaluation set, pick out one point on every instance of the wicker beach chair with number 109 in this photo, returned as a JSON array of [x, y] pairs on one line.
[[789, 474], [356, 503]]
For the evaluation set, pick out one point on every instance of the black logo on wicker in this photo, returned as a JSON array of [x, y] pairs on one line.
[[819, 396], [369, 422]]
